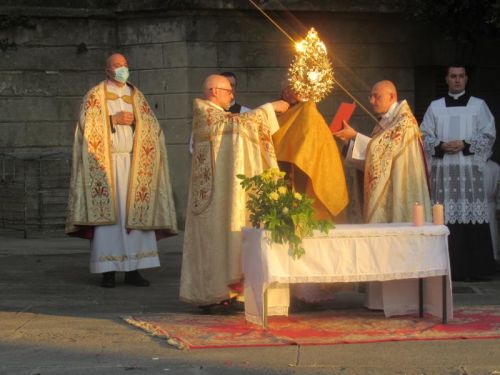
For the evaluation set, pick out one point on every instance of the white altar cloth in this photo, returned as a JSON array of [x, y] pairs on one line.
[[396, 254]]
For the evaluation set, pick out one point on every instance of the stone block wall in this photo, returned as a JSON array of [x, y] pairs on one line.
[[46, 65], [34, 194], [50, 58]]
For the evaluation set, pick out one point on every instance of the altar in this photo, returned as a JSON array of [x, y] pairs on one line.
[[409, 263]]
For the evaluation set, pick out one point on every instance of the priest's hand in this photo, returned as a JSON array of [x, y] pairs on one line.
[[346, 133], [453, 147], [123, 118], [280, 106]]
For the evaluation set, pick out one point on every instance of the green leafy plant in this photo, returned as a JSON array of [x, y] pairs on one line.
[[286, 214]]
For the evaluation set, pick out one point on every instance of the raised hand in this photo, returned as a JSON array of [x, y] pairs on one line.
[[280, 106]]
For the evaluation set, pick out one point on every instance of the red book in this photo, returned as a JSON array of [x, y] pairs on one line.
[[344, 113]]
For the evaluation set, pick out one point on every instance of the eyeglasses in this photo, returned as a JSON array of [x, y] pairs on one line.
[[375, 96], [230, 91]]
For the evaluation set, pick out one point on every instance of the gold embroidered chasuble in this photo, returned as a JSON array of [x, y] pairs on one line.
[[305, 141], [224, 145], [92, 196], [395, 171]]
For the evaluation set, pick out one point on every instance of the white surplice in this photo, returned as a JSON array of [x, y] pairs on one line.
[[457, 179], [113, 249]]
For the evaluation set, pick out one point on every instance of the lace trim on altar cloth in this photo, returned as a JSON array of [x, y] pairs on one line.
[[277, 310], [271, 311], [357, 278], [368, 230]]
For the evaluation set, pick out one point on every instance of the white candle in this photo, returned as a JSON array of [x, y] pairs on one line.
[[418, 214], [438, 214]]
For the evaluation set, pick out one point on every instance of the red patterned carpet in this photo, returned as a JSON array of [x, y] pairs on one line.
[[190, 331]]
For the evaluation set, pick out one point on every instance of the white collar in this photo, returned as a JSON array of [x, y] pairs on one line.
[[120, 90], [390, 111], [456, 96]]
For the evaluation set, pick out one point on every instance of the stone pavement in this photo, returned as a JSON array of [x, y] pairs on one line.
[[55, 319]]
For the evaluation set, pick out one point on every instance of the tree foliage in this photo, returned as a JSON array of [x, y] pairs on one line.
[[459, 20]]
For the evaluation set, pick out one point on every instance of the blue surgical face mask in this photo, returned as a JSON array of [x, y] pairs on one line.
[[121, 74]]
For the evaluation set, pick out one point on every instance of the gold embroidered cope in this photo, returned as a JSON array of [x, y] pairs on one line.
[[225, 145], [395, 171], [92, 195]]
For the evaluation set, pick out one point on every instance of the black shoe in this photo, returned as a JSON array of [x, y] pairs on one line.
[[221, 308], [135, 278], [237, 306], [108, 280], [206, 309]]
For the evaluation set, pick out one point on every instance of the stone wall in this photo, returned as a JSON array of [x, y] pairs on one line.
[[46, 65], [53, 54]]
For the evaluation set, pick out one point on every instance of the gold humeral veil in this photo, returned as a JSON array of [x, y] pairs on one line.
[[225, 145], [150, 204], [305, 141]]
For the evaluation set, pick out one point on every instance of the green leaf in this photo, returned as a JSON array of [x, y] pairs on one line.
[[265, 213]]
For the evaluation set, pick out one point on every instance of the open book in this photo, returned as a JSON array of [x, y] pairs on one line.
[[356, 152]]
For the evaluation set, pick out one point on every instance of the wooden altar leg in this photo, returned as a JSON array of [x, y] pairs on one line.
[[421, 297], [445, 299]]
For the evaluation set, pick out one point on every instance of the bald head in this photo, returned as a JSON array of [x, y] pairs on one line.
[[215, 80], [115, 61], [383, 96], [217, 89], [386, 86]]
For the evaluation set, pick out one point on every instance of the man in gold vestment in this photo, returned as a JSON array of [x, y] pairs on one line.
[[395, 171], [224, 145], [395, 174], [120, 193]]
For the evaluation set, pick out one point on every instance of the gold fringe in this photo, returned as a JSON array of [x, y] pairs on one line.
[[152, 330]]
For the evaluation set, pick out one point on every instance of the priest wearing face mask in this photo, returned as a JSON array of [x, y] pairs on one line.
[[120, 193]]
